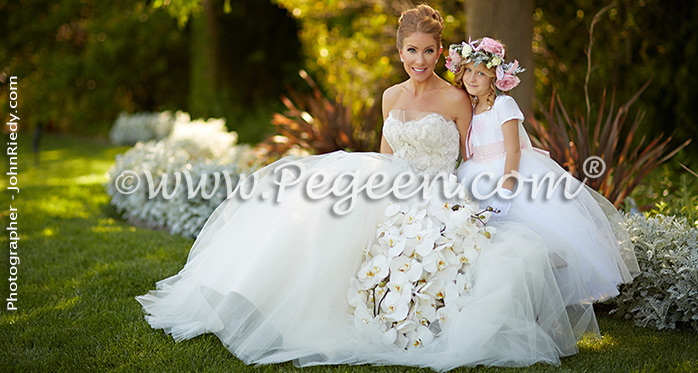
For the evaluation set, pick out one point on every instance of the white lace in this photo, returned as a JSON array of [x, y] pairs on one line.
[[429, 142]]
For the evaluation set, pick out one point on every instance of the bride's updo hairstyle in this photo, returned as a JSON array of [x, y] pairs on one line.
[[422, 19]]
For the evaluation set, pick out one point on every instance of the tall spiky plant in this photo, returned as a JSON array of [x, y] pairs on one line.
[[573, 140], [320, 124]]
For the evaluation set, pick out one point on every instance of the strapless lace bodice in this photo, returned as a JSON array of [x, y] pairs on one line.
[[429, 142]]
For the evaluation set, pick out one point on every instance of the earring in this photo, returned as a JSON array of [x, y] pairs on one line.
[[402, 59]]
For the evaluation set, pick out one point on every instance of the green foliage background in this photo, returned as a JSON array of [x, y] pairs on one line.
[[81, 62], [634, 42]]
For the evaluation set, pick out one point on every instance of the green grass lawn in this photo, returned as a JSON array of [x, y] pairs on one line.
[[81, 267]]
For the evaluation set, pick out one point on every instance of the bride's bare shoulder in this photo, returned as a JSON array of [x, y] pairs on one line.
[[392, 92], [391, 96], [453, 94], [455, 103]]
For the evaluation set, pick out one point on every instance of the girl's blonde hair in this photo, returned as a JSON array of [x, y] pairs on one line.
[[489, 72]]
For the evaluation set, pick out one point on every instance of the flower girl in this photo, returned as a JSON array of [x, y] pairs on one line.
[[586, 241]]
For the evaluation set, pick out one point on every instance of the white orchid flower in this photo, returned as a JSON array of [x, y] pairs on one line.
[[469, 254], [426, 241], [400, 284], [375, 249], [421, 336], [395, 207], [446, 314], [394, 243], [441, 211], [362, 316], [439, 260], [395, 307], [412, 221], [355, 294], [409, 266], [434, 289], [425, 309], [390, 335], [463, 283], [401, 341], [452, 292], [374, 272]]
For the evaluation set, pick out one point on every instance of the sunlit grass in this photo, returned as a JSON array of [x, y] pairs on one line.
[[81, 267]]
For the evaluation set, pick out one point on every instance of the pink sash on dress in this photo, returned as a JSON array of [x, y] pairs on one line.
[[495, 150]]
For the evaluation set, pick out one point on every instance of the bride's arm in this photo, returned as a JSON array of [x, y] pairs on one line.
[[388, 101], [385, 148]]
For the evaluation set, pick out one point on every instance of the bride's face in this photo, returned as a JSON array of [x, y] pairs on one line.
[[420, 53]]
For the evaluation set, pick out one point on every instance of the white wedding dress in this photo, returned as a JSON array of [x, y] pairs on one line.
[[269, 275]]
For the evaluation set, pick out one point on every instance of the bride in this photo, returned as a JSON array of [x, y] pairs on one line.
[[271, 276]]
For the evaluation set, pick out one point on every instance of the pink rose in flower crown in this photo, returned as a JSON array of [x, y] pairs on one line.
[[506, 80], [507, 83], [452, 62], [454, 58], [491, 46]]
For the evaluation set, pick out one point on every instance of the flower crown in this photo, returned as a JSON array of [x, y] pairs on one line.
[[491, 53]]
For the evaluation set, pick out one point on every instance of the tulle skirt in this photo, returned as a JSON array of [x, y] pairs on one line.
[[587, 241], [269, 276]]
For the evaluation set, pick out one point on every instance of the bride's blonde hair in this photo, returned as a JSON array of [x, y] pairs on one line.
[[423, 19]]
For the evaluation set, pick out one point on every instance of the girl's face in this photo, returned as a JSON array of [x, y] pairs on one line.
[[420, 53], [477, 80]]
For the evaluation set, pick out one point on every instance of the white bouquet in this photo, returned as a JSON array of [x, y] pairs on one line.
[[415, 273]]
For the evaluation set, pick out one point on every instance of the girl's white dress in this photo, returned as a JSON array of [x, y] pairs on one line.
[[583, 232], [270, 274]]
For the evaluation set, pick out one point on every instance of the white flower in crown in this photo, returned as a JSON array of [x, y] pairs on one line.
[[467, 49], [489, 52]]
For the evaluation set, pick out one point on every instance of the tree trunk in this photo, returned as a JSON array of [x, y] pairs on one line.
[[204, 98], [510, 21]]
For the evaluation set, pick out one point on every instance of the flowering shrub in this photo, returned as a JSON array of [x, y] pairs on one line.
[[415, 270], [130, 129], [666, 291], [208, 163]]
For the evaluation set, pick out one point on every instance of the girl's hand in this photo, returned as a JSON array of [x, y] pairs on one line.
[[501, 203]]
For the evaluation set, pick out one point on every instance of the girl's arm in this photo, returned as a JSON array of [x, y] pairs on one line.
[[463, 123], [461, 110], [510, 129]]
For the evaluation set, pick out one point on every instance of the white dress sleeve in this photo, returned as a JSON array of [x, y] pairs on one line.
[[507, 109]]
